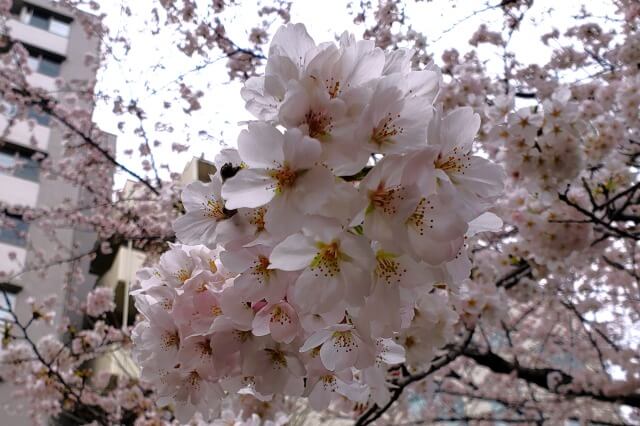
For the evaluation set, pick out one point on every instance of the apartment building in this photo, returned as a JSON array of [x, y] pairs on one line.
[[57, 45]]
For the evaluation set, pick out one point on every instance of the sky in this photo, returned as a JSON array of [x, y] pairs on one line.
[[153, 67]]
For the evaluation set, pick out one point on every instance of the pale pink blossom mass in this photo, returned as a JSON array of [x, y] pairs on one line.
[[331, 299], [387, 242]]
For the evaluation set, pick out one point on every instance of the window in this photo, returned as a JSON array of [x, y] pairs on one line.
[[43, 19], [39, 20], [49, 67], [4, 306], [44, 65], [58, 27], [116, 319], [19, 162], [40, 118], [8, 294], [13, 231], [7, 109], [33, 62]]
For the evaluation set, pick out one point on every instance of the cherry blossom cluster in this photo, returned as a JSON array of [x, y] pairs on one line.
[[330, 245], [543, 143], [553, 296], [54, 375], [549, 236]]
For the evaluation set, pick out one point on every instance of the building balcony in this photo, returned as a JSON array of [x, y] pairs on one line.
[[42, 81], [118, 363], [17, 191], [38, 37], [197, 169], [122, 266], [21, 133]]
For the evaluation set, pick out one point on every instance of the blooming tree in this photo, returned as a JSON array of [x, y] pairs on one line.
[[392, 241]]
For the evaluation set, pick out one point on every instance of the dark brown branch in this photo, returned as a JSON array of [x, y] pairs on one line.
[[44, 103], [524, 95], [48, 106], [540, 377], [512, 278], [595, 219], [375, 412]]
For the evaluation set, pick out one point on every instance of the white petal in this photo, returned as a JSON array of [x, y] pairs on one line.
[[294, 41], [392, 352], [357, 283], [301, 152], [262, 105], [458, 128], [238, 260], [283, 217], [398, 60], [248, 188], [196, 194], [261, 146], [424, 84], [284, 328], [354, 391], [195, 228], [482, 177], [320, 396], [340, 352], [317, 293], [359, 249], [294, 253], [460, 267], [260, 324], [313, 189], [295, 366], [315, 340]]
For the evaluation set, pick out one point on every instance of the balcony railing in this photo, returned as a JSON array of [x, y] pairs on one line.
[[18, 191], [38, 37], [42, 81], [21, 133]]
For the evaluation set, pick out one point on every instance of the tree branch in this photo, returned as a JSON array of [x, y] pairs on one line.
[[540, 377]]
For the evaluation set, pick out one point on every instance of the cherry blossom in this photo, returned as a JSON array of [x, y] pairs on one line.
[[336, 283], [449, 282]]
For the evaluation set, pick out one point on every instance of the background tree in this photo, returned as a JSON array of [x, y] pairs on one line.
[[547, 324]]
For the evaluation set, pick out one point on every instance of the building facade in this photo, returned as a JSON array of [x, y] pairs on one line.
[[57, 44]]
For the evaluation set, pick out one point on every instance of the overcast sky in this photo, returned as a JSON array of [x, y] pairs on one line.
[[153, 66]]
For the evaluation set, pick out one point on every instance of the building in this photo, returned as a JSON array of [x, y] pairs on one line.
[[197, 169], [57, 44]]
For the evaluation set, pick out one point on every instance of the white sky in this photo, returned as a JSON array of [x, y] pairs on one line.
[[151, 68]]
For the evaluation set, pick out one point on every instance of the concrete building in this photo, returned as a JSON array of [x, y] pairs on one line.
[[57, 44]]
